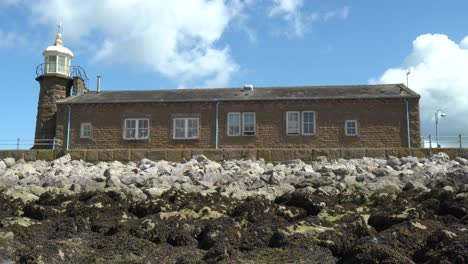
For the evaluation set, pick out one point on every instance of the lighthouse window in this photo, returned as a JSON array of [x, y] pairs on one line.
[[61, 64], [51, 63]]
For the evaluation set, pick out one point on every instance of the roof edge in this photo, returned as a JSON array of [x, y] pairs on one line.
[[241, 100], [258, 87], [408, 90]]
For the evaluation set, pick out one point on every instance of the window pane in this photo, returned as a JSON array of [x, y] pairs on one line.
[[52, 66], [351, 128], [143, 128], [234, 124], [179, 128], [130, 129], [293, 122], [61, 64], [85, 130], [192, 128], [308, 122], [249, 123]]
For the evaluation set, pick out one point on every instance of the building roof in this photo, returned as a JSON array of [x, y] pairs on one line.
[[244, 94]]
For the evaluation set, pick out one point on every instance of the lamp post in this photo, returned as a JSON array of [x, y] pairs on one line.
[[442, 114]]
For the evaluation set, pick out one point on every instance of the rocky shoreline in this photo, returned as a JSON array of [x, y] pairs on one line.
[[394, 210]]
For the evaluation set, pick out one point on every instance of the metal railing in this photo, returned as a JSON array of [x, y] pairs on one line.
[[75, 71], [444, 141], [18, 143]]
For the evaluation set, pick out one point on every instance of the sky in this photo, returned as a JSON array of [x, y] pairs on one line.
[[159, 44]]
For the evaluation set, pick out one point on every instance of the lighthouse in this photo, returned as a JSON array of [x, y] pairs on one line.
[[56, 79]]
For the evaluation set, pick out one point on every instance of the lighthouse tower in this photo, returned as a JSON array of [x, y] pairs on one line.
[[55, 84]]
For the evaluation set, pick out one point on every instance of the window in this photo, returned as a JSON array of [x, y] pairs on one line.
[[51, 62], [61, 64], [308, 123], [351, 128], [186, 128], [248, 124], [292, 123], [85, 131], [234, 124], [136, 129]]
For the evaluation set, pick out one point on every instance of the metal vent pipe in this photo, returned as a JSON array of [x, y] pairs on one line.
[[98, 85]]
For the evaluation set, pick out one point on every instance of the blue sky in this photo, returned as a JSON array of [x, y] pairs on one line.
[[200, 43]]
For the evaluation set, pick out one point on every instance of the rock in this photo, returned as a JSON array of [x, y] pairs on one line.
[[440, 158], [9, 162], [393, 162], [382, 221], [302, 199], [279, 239], [448, 189], [19, 221], [460, 160], [62, 160], [382, 171], [136, 195], [3, 167], [20, 193], [350, 180], [459, 176], [199, 158], [340, 186], [412, 161], [308, 168], [321, 159], [340, 170], [360, 178], [409, 186]]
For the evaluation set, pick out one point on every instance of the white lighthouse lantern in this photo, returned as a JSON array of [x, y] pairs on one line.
[[57, 58]]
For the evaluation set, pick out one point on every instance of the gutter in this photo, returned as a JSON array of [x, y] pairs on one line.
[[68, 127], [217, 123], [408, 122]]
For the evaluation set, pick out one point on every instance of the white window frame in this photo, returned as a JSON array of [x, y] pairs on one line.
[[137, 127], [302, 123], [288, 132], [186, 121], [254, 124], [58, 67], [355, 127], [239, 124], [83, 130]]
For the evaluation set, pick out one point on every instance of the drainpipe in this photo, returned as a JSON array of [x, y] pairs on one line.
[[217, 117], [68, 127], [408, 122]]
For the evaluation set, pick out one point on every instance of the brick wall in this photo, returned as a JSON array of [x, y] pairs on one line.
[[382, 123]]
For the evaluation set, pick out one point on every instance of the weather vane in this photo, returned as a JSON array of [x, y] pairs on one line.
[[59, 30]]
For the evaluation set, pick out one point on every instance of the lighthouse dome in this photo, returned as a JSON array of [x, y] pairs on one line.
[[57, 58]]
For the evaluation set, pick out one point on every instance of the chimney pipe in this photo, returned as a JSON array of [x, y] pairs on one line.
[[98, 88]]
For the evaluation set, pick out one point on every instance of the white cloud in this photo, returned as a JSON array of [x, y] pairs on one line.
[[439, 72], [177, 38], [285, 6], [292, 13], [342, 13], [289, 10]]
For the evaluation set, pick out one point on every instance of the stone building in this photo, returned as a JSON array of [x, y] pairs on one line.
[[269, 117]]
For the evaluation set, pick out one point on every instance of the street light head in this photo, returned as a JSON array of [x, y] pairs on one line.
[[443, 114]]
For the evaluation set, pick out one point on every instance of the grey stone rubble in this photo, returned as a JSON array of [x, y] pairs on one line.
[[236, 179]]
